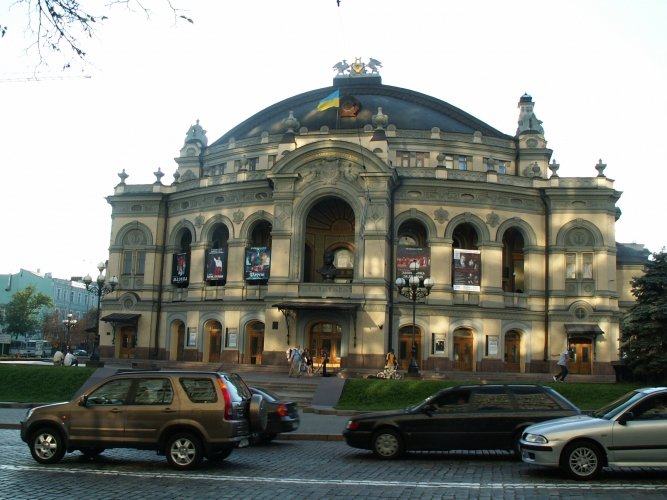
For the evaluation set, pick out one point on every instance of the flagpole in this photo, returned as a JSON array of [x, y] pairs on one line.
[[338, 108]]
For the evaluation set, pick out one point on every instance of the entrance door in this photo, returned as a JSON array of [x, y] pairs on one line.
[[462, 354], [326, 336], [128, 341], [181, 342], [405, 347], [215, 343], [581, 358], [512, 352], [256, 348]]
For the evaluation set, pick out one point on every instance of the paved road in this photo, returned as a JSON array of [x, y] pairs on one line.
[[307, 470]]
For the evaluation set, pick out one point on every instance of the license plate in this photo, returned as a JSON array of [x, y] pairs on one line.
[[243, 443]]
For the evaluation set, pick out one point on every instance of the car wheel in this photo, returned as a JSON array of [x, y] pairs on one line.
[[47, 446], [91, 451], [387, 444], [267, 438], [258, 413], [184, 451], [582, 460], [220, 455]]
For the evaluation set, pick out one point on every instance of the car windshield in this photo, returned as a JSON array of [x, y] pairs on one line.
[[614, 408]]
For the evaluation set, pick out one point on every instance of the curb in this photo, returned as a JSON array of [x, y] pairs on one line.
[[309, 437]]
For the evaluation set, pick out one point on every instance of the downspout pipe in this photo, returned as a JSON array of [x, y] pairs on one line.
[[547, 244], [392, 264], [165, 200]]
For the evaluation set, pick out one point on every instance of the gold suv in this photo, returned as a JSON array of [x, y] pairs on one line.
[[184, 415]]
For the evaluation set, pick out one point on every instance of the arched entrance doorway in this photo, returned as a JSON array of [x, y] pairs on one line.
[[463, 350], [582, 358], [512, 352], [128, 341], [325, 335], [405, 346], [254, 344], [214, 341]]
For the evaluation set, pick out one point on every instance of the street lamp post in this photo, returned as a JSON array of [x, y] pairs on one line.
[[100, 289], [68, 323], [414, 291]]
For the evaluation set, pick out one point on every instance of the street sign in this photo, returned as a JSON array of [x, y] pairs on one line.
[[5, 338]]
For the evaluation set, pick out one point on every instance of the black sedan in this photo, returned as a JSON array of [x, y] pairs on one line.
[[470, 417], [283, 416]]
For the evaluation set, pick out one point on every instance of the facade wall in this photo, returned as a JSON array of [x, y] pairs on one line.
[[565, 264]]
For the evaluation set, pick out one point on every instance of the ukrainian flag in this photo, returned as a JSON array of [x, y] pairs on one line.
[[333, 101]]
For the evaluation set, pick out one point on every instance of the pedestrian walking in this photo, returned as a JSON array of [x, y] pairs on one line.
[[562, 362], [325, 360]]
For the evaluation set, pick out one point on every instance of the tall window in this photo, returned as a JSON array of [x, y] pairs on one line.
[[463, 163], [127, 263], [141, 262], [579, 265], [58, 294], [272, 160], [253, 163]]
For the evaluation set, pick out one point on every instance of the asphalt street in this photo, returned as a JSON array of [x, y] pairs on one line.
[[307, 469]]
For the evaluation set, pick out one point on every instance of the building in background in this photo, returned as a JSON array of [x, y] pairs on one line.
[[228, 263], [68, 296]]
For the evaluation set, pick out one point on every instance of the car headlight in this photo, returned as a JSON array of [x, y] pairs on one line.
[[535, 438], [29, 414]]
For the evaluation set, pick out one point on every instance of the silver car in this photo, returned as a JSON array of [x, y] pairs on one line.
[[630, 432]]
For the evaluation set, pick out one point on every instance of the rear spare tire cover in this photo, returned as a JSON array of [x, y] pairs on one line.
[[258, 413]]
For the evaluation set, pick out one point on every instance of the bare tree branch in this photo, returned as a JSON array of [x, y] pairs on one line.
[[59, 26]]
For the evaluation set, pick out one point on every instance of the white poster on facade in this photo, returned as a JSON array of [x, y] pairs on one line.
[[467, 270]]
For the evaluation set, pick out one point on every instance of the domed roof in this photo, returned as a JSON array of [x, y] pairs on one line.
[[406, 109]]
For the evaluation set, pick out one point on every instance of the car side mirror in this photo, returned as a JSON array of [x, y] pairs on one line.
[[623, 419], [428, 409], [83, 401]]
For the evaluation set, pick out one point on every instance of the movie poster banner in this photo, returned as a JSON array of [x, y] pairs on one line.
[[216, 264], [257, 263], [467, 270], [405, 255], [180, 269]]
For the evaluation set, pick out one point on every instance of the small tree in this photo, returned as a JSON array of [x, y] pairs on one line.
[[23, 311], [644, 327], [81, 336], [52, 328]]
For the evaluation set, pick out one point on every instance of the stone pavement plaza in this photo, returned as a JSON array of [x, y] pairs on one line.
[[311, 463]]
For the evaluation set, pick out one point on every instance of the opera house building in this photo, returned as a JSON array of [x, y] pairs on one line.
[[297, 226]]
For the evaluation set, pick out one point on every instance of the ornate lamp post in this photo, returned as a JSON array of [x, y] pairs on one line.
[[68, 323], [100, 289], [414, 292]]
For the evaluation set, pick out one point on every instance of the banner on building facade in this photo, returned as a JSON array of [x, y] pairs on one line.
[[216, 264], [180, 269], [257, 263], [405, 255], [467, 270]]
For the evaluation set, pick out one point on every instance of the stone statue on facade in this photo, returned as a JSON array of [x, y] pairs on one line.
[[328, 271]]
